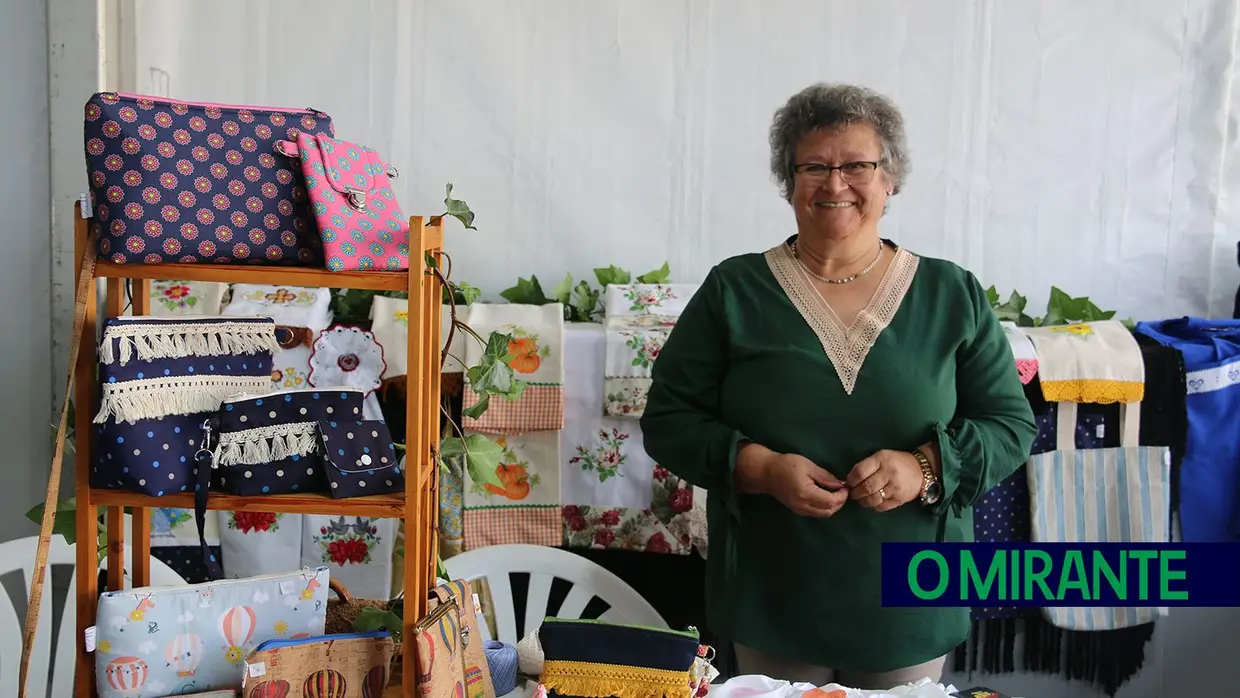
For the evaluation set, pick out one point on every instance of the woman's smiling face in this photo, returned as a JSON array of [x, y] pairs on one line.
[[831, 207]]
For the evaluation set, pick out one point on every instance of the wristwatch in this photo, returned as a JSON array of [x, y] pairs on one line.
[[931, 487]]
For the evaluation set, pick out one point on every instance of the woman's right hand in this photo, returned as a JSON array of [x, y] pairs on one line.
[[795, 481]]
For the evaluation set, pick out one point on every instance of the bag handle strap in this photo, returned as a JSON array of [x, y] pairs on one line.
[[1065, 425], [86, 277]]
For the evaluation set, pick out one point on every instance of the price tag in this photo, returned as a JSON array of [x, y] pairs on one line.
[[288, 586], [90, 639]]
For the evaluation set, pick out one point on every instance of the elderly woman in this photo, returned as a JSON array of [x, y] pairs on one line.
[[832, 393]]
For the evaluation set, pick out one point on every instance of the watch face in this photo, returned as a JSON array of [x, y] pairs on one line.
[[934, 492]]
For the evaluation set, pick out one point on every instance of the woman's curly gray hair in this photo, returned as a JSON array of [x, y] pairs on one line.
[[823, 106]]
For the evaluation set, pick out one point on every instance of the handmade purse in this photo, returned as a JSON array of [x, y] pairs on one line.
[[160, 641], [160, 379], [360, 222], [359, 458], [596, 659], [196, 182], [451, 661], [269, 444], [331, 666]]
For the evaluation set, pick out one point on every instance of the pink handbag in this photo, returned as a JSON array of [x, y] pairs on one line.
[[351, 197]]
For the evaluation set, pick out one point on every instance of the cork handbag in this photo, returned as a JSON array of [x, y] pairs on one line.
[[448, 647], [356, 664]]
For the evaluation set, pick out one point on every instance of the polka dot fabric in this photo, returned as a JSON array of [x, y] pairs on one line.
[[359, 221], [151, 456], [191, 183], [299, 410], [359, 458], [1002, 514]]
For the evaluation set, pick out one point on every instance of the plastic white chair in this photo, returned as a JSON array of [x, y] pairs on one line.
[[587, 581], [17, 556]]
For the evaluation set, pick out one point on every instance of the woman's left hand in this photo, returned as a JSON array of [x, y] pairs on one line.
[[885, 480]]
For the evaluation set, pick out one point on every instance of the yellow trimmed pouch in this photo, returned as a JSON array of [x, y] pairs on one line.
[[596, 659]]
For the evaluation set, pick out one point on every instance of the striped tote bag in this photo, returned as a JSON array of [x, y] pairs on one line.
[[1102, 495]]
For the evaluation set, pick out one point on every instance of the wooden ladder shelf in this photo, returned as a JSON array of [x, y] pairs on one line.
[[418, 506]]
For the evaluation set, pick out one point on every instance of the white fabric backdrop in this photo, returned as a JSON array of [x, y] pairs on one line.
[[1080, 143]]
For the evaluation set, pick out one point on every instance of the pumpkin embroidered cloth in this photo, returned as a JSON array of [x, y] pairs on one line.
[[1097, 362], [525, 507], [537, 348]]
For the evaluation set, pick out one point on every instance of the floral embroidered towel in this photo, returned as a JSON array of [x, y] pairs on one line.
[[525, 507], [1098, 362], [389, 318], [615, 496], [258, 542], [356, 550], [287, 305], [186, 297], [630, 300], [629, 356], [537, 350], [1022, 351]]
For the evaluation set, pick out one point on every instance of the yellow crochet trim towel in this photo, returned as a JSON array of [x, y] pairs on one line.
[[1096, 362]]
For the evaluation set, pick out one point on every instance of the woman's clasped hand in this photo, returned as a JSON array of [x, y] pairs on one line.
[[882, 481]]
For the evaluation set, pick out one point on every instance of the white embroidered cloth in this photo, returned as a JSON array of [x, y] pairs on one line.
[[389, 319], [287, 305], [346, 357], [186, 298], [1022, 351], [630, 300], [1095, 362], [537, 338]]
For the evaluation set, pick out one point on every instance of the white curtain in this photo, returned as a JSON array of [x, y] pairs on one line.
[[1079, 143]]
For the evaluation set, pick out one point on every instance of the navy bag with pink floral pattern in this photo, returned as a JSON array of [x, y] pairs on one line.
[[193, 182]]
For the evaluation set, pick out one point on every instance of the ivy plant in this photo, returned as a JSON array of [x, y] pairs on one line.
[[582, 302], [1061, 309]]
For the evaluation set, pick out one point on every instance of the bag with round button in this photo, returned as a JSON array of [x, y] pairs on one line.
[[359, 458]]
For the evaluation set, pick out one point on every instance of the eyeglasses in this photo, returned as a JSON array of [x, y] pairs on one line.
[[850, 172]]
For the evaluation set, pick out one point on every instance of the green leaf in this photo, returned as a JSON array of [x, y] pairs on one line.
[[658, 276], [458, 209], [992, 296], [612, 275], [584, 303], [66, 518], [440, 570], [481, 456], [526, 293], [373, 618], [461, 293], [563, 291]]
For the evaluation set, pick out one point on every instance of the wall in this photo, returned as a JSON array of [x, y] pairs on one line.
[[25, 342]]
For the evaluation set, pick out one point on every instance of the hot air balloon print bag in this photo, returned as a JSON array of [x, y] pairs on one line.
[[159, 641], [350, 665]]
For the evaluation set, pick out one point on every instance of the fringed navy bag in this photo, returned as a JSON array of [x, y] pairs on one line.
[[160, 379]]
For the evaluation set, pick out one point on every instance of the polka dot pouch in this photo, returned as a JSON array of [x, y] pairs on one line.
[[359, 458], [269, 444]]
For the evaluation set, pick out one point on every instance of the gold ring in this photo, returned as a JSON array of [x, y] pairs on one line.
[[882, 492]]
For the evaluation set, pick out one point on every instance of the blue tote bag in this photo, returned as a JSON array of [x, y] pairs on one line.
[[1209, 477]]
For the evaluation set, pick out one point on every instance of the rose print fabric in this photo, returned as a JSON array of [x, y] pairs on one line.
[[256, 542], [186, 297], [537, 348], [636, 300], [183, 182], [356, 550]]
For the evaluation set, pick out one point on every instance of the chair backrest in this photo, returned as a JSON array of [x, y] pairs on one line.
[[17, 556], [560, 584]]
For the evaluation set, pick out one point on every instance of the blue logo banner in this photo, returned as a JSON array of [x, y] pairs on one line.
[[1061, 574]]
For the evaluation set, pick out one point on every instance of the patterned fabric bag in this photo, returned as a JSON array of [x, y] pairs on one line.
[[160, 379], [451, 662], [195, 182], [351, 664], [269, 444], [158, 641], [350, 190], [1112, 495], [596, 659], [359, 458]]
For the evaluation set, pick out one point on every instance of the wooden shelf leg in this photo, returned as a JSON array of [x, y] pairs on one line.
[[87, 523]]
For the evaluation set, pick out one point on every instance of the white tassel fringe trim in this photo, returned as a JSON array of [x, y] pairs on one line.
[[179, 340], [263, 445], [152, 398]]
